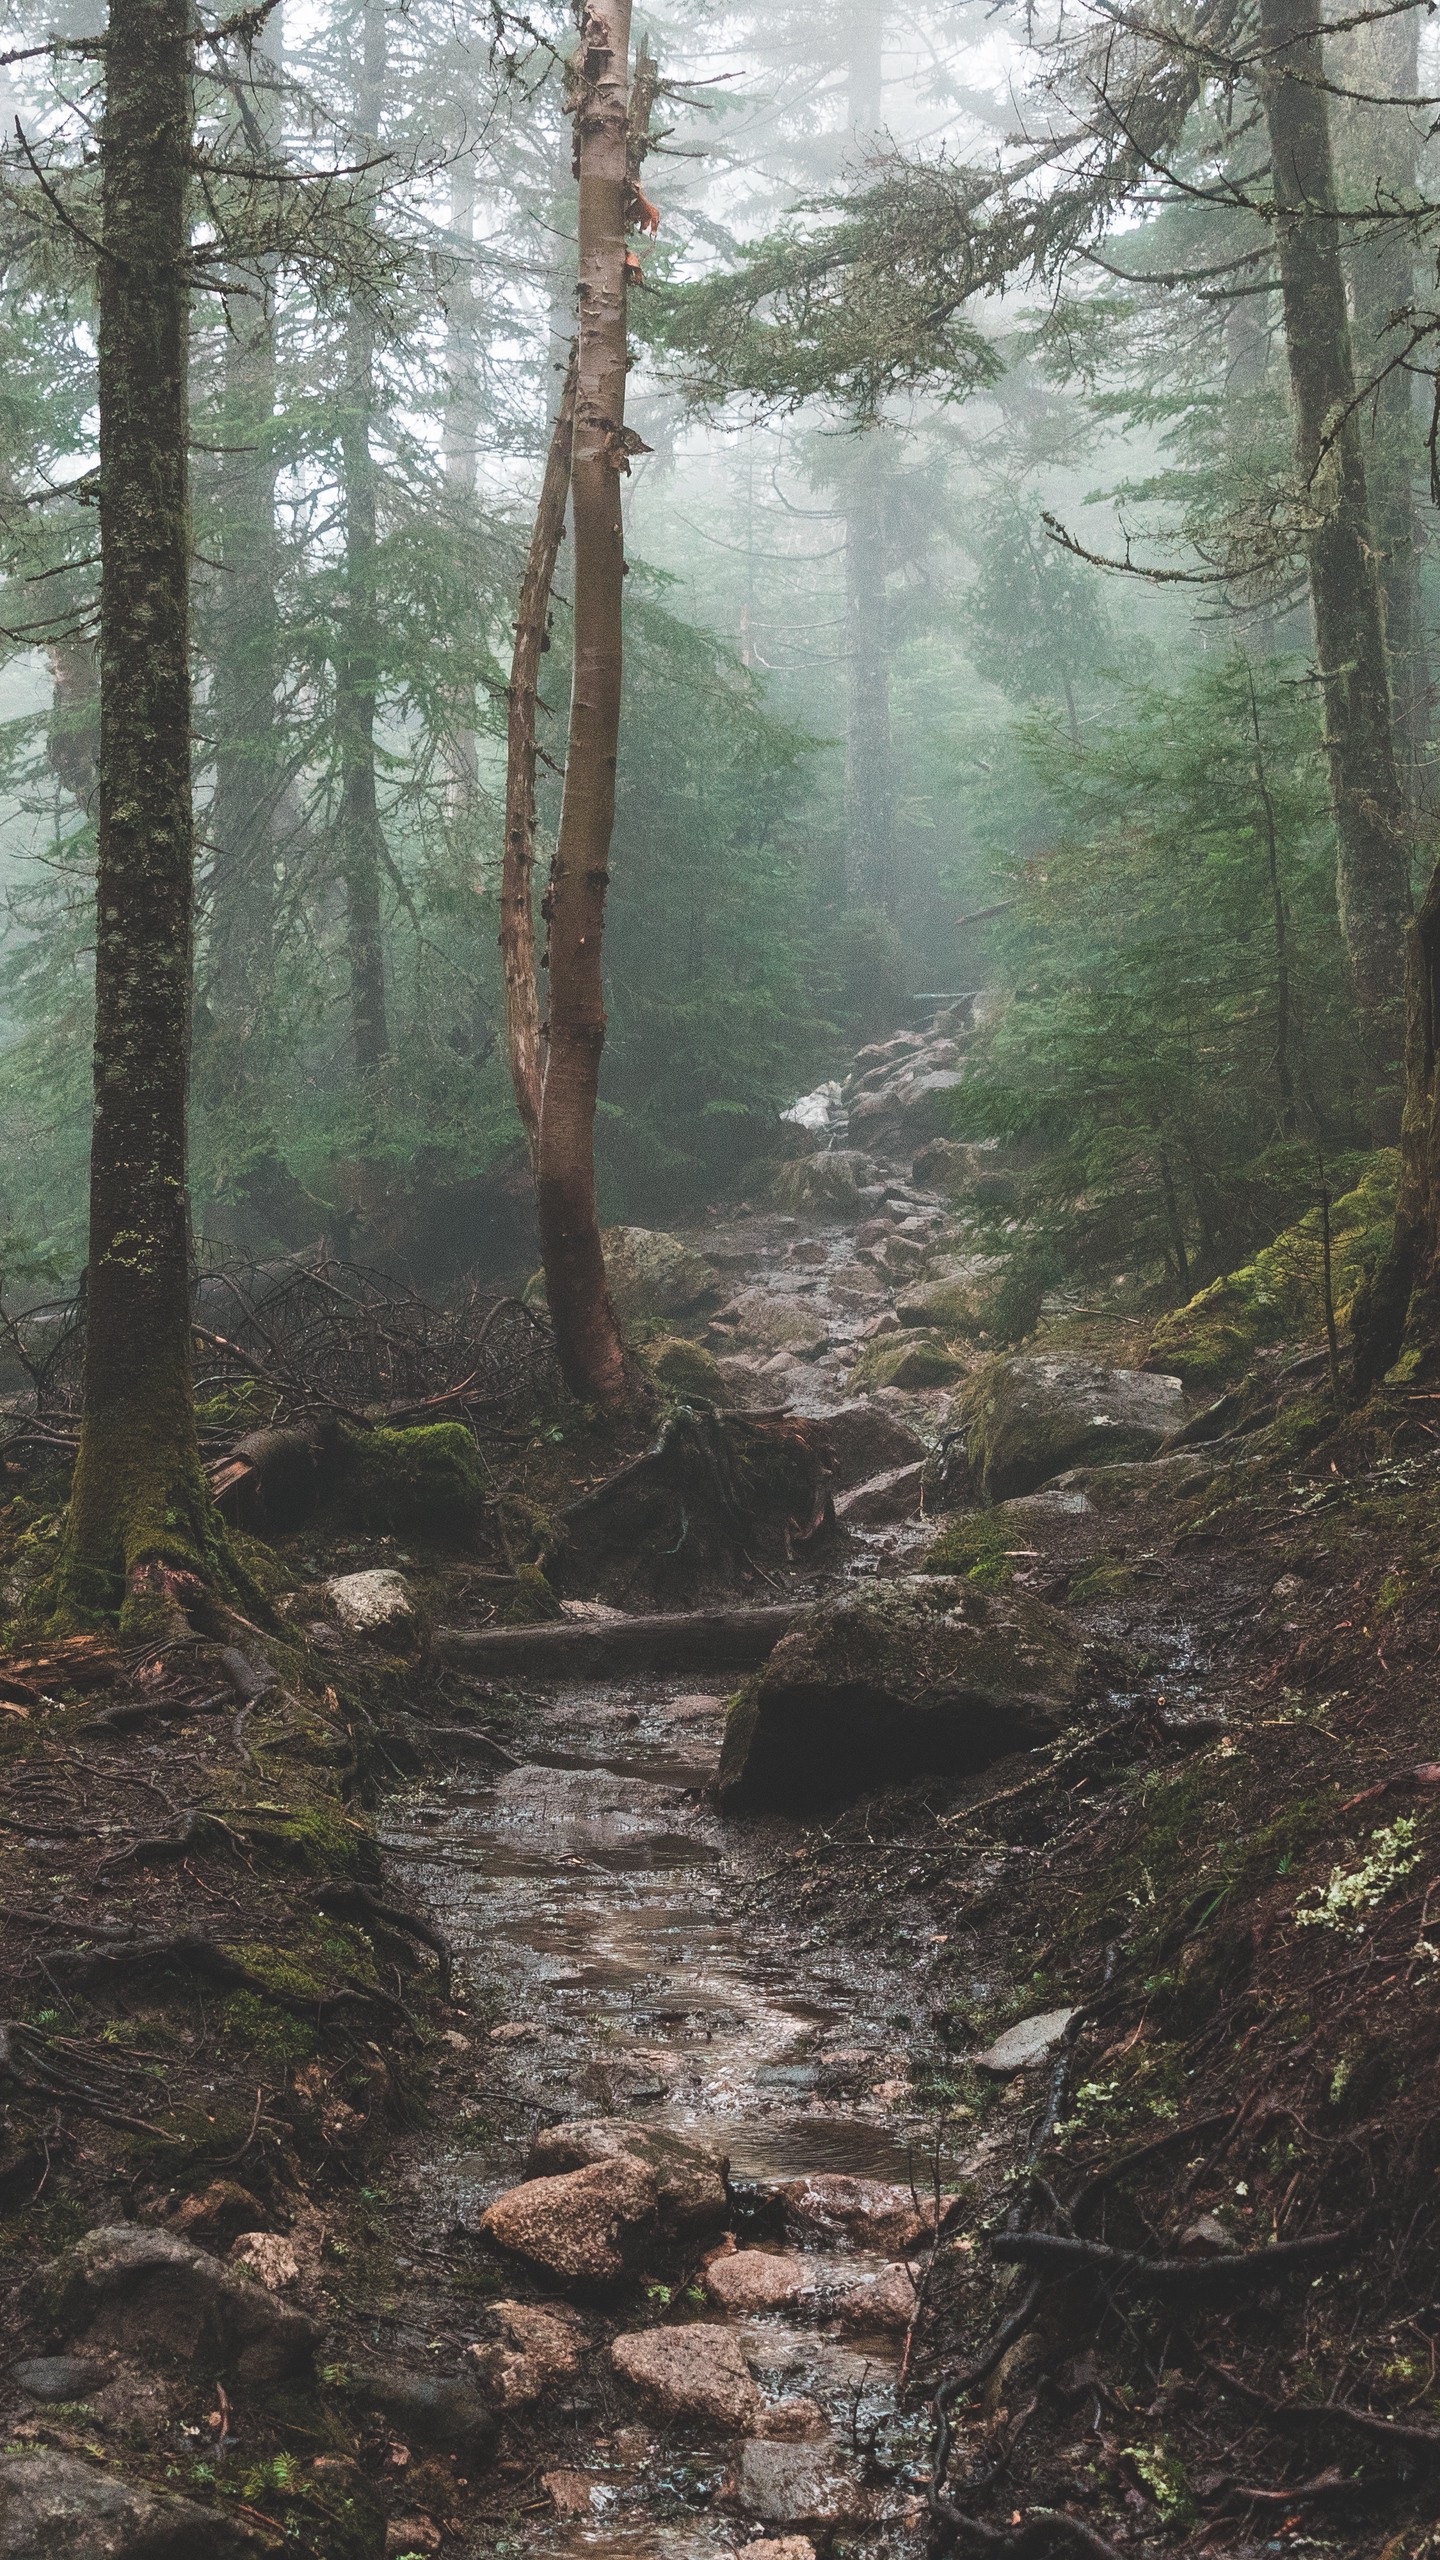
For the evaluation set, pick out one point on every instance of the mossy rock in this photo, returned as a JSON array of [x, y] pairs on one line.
[[908, 1360], [1027, 1419], [423, 1483], [1279, 1296], [974, 1544], [688, 1370], [958, 1302]]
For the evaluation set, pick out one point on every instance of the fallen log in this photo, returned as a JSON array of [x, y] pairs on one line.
[[691, 1640]]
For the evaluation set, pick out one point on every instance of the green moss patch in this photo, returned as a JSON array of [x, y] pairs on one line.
[[1279, 1297]]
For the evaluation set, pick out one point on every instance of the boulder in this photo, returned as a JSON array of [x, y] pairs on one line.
[[863, 2213], [1030, 2041], [47, 2378], [823, 1186], [218, 2214], [585, 2230], [379, 1605], [910, 1361], [653, 1274], [692, 2194], [1133, 1482], [268, 2257], [863, 1439], [960, 1301], [536, 2349], [798, 2420], [894, 1680], [448, 2412], [160, 2301], [884, 2301], [894, 1496], [687, 1369], [777, 1324], [750, 2280], [697, 2372], [55, 2507], [814, 2484], [1028, 1419]]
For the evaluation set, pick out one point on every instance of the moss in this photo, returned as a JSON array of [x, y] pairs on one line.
[[974, 1543], [687, 1369], [314, 1837], [256, 2027], [917, 1360], [1279, 1296], [1105, 1579], [424, 1482]]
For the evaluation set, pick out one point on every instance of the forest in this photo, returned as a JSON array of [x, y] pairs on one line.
[[719, 1280]]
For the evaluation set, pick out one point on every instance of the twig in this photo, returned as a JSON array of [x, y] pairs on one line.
[[1062, 2254]]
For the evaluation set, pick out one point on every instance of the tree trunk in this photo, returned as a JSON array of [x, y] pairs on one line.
[[1376, 149], [517, 915], [362, 844], [459, 453], [869, 778], [138, 1503], [586, 1335], [1373, 871]]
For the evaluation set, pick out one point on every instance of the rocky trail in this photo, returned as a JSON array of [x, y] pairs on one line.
[[486, 2092]]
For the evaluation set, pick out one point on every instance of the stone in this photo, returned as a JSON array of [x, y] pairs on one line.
[[798, 2420], [412, 2533], [866, 2213], [587, 2229], [693, 2196], [379, 1605], [895, 1680], [1030, 2041], [948, 1164], [572, 2493], [516, 2030], [1206, 2237], [812, 2484], [750, 2280], [448, 2412], [894, 1496], [536, 2349], [219, 2213], [654, 1274], [46, 2378], [267, 2257], [788, 2546], [1130, 1483], [957, 1302], [161, 2301], [1028, 1420], [697, 2372], [55, 2507], [826, 1185], [688, 1369], [914, 1362], [774, 1323], [883, 2301]]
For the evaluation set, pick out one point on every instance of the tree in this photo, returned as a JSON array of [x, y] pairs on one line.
[[587, 1337], [138, 1505]]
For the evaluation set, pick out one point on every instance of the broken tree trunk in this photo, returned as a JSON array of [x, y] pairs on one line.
[[517, 913], [692, 1640]]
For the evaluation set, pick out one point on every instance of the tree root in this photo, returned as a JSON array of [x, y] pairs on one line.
[[133, 1711], [198, 1831], [193, 1952], [1058, 2253], [357, 1902], [29, 2069], [1303, 2413], [1042, 2527]]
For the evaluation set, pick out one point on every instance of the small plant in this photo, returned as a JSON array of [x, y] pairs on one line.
[[1350, 1893]]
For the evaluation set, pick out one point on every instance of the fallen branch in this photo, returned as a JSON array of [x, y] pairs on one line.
[[133, 1711], [1062, 2253], [1303, 2413], [692, 1640]]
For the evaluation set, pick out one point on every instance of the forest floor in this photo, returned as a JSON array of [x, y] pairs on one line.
[[1175, 2283]]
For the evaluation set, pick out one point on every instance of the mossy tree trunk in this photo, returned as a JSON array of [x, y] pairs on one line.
[[587, 1337], [138, 1504], [1373, 866]]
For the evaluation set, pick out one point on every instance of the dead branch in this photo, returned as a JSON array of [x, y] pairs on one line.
[[1058, 2253]]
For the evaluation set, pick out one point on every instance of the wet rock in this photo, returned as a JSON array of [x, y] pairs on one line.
[[161, 2301], [1206, 2237], [795, 2421], [516, 2031], [883, 2301], [46, 2378], [777, 1324], [1027, 1420], [690, 2178], [697, 2372], [379, 1605], [750, 2280], [447, 2412], [865, 1439], [1130, 1483], [55, 2507], [412, 2533], [912, 1361], [218, 2214], [790, 2546], [894, 1496], [1032, 2040], [827, 1185], [268, 2258], [653, 1274], [573, 2493], [958, 1302], [811, 2484], [688, 1369], [892, 1680], [586, 2229], [865, 2212], [536, 2349]]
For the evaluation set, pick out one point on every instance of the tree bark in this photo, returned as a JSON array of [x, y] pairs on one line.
[[869, 775], [517, 914], [1373, 869], [362, 843], [587, 1337], [459, 454], [138, 1503]]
